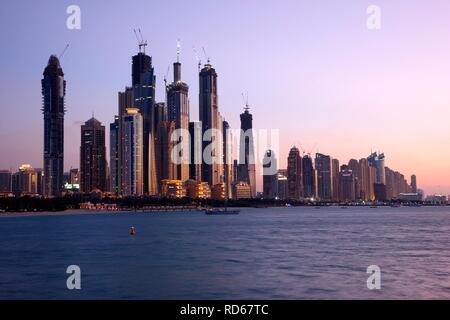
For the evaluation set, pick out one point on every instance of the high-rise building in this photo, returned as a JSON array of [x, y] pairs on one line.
[[144, 84], [335, 175], [309, 177], [227, 159], [92, 157], [195, 156], [270, 175], [132, 179], [413, 183], [324, 182], [209, 117], [5, 181], [247, 159], [346, 185], [353, 165], [282, 184], [377, 161], [53, 92], [114, 156], [178, 112], [166, 169], [25, 181], [295, 174]]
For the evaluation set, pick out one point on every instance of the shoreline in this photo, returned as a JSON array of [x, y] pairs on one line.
[[84, 212]]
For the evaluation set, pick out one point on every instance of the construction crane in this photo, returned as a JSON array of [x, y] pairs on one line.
[[206, 56], [198, 59], [63, 52], [140, 40], [165, 77]]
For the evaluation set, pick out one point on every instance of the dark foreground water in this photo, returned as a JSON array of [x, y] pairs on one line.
[[288, 253]]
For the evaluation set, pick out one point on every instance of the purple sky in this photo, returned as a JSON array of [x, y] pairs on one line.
[[312, 69]]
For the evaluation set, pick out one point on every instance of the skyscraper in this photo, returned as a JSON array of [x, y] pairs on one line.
[[132, 179], [24, 182], [178, 112], [114, 152], [413, 183], [209, 117], [247, 159], [195, 156], [166, 169], [335, 175], [324, 183], [92, 156], [270, 175], [294, 175], [227, 159], [309, 177], [346, 185], [5, 181], [144, 83], [53, 92]]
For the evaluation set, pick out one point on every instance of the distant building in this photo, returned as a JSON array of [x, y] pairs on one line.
[[295, 175], [166, 169], [114, 156], [144, 87], [92, 157], [178, 112], [242, 190], [437, 199], [413, 183], [218, 192], [197, 189], [270, 173], [25, 181], [132, 180], [309, 177], [335, 175], [228, 159], [282, 184], [247, 159], [410, 197], [324, 182], [173, 189], [209, 118], [380, 192], [53, 92], [5, 181], [346, 185], [196, 155]]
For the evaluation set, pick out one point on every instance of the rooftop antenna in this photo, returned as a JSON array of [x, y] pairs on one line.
[[178, 50], [63, 52], [245, 99], [206, 56], [198, 59], [141, 42]]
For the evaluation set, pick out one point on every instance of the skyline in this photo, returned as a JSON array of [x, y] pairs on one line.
[[314, 74]]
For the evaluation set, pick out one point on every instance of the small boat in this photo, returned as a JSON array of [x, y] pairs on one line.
[[133, 231]]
